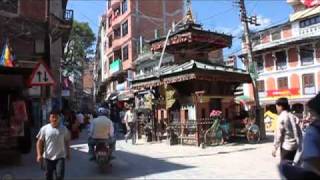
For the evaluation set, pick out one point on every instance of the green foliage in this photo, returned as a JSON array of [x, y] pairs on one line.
[[78, 49]]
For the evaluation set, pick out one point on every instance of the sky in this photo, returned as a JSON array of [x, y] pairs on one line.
[[215, 15]]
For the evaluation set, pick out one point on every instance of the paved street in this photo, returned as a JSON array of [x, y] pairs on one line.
[[161, 161]]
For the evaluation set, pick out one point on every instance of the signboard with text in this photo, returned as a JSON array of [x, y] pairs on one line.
[[283, 92]]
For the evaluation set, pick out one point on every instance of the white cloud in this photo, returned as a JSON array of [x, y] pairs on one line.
[[263, 21], [237, 31]]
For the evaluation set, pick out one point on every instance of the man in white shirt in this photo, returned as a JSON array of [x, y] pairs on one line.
[[130, 123], [101, 128], [53, 146], [287, 135]]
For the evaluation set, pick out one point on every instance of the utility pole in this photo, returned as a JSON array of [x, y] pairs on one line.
[[251, 64]]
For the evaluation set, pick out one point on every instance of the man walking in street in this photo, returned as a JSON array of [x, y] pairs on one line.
[[53, 147], [130, 123], [287, 135]]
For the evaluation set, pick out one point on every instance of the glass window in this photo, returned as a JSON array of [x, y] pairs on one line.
[[109, 4], [124, 28], [125, 53], [256, 41], [276, 35], [117, 33], [283, 83], [310, 21], [308, 84], [110, 41], [10, 6], [260, 86], [260, 63], [281, 60], [116, 12], [124, 6], [306, 55], [109, 21]]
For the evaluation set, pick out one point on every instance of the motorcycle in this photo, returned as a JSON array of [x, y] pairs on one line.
[[103, 154]]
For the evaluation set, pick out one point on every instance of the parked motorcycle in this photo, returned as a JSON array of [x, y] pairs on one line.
[[103, 154]]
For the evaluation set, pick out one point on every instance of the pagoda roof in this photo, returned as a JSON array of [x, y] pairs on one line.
[[193, 35], [192, 70]]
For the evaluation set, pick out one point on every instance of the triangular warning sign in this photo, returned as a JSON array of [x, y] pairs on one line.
[[41, 75]]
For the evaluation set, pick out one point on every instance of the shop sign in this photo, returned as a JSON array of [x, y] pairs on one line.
[[115, 66], [283, 92]]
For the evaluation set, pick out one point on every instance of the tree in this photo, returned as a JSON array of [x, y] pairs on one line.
[[78, 49]]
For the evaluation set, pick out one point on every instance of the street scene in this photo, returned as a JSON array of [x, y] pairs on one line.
[[159, 89]]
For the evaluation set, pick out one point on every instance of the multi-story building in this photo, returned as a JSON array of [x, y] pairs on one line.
[[288, 58], [129, 21]]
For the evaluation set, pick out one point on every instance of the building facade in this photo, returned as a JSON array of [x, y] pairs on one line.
[[288, 59], [33, 31], [129, 23]]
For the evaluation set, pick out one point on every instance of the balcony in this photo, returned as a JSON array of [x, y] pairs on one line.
[[117, 43]]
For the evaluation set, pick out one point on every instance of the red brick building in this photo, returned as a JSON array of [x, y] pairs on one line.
[[127, 21]]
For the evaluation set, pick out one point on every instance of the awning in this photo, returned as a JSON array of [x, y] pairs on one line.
[[125, 95]]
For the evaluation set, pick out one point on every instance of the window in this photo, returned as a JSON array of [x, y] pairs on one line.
[[281, 60], [109, 20], [310, 22], [117, 33], [306, 55], [10, 6], [124, 28], [125, 54], [308, 84], [256, 40], [260, 64], [109, 4], [110, 41], [186, 115], [124, 6], [260, 86], [276, 35], [116, 12], [283, 83]]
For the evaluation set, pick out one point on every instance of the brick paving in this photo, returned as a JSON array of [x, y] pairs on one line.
[[161, 161]]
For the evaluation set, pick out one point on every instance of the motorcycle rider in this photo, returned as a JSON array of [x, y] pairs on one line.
[[101, 128]]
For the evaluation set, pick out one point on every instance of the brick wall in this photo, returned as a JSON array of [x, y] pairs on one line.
[[287, 32], [293, 57], [33, 9], [265, 38]]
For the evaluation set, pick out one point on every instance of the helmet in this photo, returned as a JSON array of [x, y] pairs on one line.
[[102, 111]]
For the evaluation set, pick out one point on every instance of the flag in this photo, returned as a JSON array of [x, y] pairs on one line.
[[311, 3], [6, 56]]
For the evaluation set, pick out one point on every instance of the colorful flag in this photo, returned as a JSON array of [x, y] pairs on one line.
[[6, 56], [311, 3]]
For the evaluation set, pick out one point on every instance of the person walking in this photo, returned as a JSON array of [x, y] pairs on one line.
[[287, 135], [53, 147], [130, 124]]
